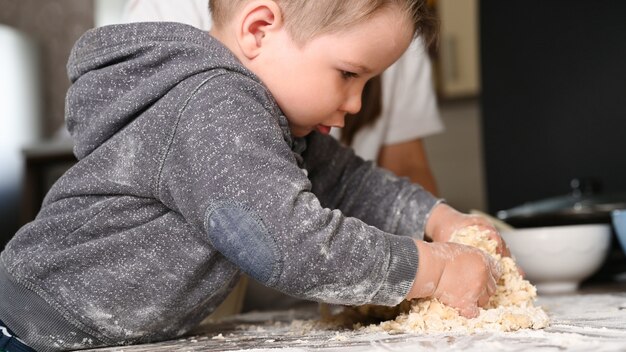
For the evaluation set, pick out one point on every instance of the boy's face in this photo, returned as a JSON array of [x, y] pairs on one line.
[[318, 83]]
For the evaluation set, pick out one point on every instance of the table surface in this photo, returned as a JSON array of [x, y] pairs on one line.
[[592, 320]]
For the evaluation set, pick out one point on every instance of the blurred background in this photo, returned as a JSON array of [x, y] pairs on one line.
[[532, 94]]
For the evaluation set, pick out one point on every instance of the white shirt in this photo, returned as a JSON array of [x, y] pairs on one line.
[[409, 103], [192, 12]]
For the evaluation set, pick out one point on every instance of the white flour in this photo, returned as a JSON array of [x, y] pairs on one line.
[[581, 322]]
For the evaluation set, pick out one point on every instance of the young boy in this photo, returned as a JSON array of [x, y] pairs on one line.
[[201, 157]]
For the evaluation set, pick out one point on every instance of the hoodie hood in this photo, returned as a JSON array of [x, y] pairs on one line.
[[133, 66]]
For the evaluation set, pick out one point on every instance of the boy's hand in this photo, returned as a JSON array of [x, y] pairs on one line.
[[445, 220], [460, 276]]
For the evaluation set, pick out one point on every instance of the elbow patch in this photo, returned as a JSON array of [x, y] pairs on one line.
[[242, 238]]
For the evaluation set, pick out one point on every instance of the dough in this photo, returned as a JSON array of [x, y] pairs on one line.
[[510, 308]]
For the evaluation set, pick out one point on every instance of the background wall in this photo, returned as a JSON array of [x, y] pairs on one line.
[[55, 25], [456, 155], [49, 28], [20, 115]]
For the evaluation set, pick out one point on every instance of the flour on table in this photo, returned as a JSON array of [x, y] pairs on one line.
[[510, 308]]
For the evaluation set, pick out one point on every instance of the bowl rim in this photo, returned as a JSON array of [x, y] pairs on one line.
[[561, 227]]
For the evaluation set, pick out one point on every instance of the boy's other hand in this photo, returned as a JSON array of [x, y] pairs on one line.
[[445, 220], [460, 276]]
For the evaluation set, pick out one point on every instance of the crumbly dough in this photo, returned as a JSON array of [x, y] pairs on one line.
[[510, 308]]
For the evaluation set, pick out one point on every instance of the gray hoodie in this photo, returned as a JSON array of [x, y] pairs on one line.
[[187, 177]]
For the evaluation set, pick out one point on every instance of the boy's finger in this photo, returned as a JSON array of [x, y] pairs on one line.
[[470, 312], [484, 299], [496, 269], [501, 247], [494, 234], [491, 287], [505, 251]]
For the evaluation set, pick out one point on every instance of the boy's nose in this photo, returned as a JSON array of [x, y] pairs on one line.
[[352, 105]]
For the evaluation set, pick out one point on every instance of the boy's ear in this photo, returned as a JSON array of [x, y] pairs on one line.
[[258, 19]]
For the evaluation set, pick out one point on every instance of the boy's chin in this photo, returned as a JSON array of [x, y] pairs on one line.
[[301, 132]]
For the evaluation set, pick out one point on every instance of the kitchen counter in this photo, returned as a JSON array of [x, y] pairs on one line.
[[591, 320]]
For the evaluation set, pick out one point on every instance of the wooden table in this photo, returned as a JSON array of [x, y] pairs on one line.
[[591, 320]]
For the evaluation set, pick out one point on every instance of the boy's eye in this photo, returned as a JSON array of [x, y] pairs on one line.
[[348, 75]]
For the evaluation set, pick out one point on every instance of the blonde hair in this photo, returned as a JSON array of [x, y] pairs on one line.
[[306, 19]]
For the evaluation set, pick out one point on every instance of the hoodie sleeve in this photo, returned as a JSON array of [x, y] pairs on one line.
[[234, 178], [344, 181]]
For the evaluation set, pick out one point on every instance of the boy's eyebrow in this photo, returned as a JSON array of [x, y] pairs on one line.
[[358, 67]]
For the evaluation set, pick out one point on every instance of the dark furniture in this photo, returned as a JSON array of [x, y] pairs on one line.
[[44, 164], [553, 97]]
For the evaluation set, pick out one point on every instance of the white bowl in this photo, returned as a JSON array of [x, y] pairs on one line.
[[556, 259]]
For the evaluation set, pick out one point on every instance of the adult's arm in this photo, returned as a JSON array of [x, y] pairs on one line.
[[409, 159]]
